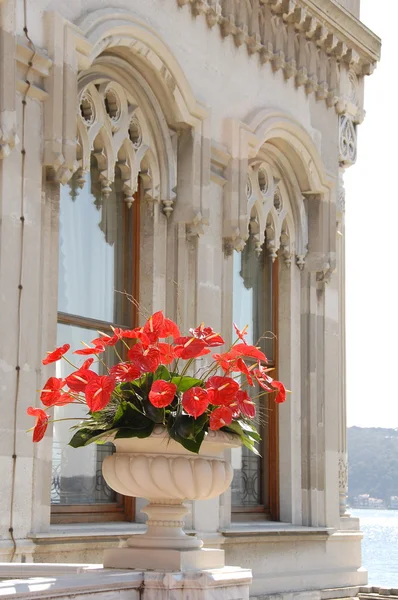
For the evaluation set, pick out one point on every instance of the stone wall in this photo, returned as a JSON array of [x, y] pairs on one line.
[[222, 93]]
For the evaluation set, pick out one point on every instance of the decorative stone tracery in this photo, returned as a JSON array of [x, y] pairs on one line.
[[113, 128]]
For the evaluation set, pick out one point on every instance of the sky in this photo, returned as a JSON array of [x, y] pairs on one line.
[[371, 239]]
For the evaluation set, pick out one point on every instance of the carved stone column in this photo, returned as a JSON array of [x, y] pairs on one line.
[[347, 157], [342, 405]]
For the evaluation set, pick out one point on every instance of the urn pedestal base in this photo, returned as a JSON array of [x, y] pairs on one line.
[[161, 560]]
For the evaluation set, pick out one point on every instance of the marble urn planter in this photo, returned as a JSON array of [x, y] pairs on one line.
[[164, 472]]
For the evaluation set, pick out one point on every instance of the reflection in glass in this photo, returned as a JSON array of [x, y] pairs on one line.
[[252, 306]]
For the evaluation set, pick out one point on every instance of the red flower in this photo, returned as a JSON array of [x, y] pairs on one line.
[[41, 422], [225, 360], [223, 389], [281, 395], [125, 372], [55, 354], [154, 326], [208, 335], [195, 401], [169, 329], [51, 391], [64, 398], [189, 347], [241, 334], [220, 417], [97, 350], [146, 360], [244, 404], [136, 334], [263, 379], [106, 340], [78, 380], [98, 392], [162, 393], [166, 353], [87, 363], [250, 351]]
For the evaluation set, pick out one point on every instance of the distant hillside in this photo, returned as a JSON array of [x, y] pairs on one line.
[[372, 462]]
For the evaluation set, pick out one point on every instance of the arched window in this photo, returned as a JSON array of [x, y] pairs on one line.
[[100, 217], [268, 248]]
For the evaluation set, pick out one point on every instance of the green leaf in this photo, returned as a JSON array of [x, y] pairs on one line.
[[129, 432], [193, 445], [162, 373], [186, 383], [84, 437], [183, 430], [249, 444]]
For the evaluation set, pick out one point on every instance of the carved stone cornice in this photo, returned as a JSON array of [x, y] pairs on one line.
[[314, 42]]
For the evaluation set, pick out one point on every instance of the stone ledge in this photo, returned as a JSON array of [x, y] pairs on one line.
[[92, 581]]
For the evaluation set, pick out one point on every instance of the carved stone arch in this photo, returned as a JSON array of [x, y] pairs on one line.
[[272, 235], [141, 126], [312, 196], [109, 29]]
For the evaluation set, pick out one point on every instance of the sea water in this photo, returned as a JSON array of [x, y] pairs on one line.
[[380, 545]]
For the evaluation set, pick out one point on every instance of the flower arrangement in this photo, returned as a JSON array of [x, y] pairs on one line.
[[153, 386]]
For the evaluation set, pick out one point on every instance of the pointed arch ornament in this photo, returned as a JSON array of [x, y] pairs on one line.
[[132, 98], [275, 158]]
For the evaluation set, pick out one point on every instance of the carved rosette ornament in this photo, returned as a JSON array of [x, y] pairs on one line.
[[347, 141]]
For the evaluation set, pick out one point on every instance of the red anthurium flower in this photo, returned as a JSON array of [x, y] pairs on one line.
[[87, 363], [98, 392], [97, 350], [41, 422], [106, 340], [241, 366], [208, 335], [263, 379], [64, 398], [241, 334], [136, 334], [189, 347], [225, 360], [195, 401], [51, 391], [281, 395], [250, 351], [244, 404], [125, 372], [56, 354], [223, 389], [166, 353], [78, 380], [220, 417], [154, 326], [169, 329], [162, 393], [146, 359]]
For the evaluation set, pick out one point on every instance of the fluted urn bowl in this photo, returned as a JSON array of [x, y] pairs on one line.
[[164, 472]]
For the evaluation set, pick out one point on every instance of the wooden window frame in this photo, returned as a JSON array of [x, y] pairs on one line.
[[270, 442], [124, 507]]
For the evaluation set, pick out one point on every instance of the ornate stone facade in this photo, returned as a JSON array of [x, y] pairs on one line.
[[226, 119]]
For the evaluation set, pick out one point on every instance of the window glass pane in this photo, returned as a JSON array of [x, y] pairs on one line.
[[76, 472], [95, 262], [252, 306]]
